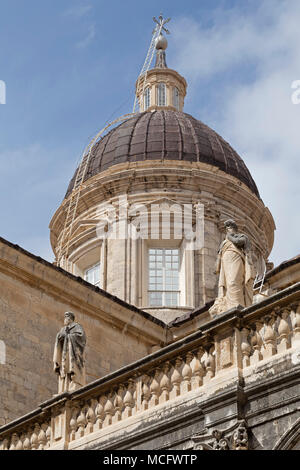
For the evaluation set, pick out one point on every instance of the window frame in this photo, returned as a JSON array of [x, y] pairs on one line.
[[90, 268], [147, 97], [161, 93], [164, 291]]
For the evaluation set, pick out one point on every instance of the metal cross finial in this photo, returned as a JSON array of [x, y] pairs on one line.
[[161, 23]]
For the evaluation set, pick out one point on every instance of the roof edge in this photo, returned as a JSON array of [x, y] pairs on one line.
[[78, 279]]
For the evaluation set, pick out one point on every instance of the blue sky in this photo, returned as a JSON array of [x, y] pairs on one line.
[[70, 66]]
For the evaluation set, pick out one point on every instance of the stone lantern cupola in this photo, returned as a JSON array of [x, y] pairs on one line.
[[161, 88]]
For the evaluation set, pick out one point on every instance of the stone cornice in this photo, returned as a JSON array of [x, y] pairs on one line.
[[138, 180]]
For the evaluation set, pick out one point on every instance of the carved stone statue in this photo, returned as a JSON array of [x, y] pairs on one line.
[[236, 272], [69, 355]]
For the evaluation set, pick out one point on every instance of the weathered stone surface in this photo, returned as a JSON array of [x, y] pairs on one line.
[[196, 393], [34, 294]]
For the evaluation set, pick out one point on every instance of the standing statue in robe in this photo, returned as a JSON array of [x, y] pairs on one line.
[[69, 355], [236, 272]]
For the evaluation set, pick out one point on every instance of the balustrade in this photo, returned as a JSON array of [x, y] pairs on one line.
[[259, 338]]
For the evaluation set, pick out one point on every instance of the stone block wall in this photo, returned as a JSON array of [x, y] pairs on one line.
[[33, 299]]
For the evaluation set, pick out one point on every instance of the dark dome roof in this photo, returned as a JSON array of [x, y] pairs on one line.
[[165, 135]]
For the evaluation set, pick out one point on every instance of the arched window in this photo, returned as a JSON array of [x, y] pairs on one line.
[[161, 94], [176, 98], [147, 98]]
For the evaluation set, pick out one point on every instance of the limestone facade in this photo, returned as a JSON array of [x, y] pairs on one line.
[[33, 296], [232, 385], [157, 376], [123, 263]]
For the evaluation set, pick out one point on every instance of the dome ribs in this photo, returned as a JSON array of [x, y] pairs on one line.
[[217, 150], [172, 138], [204, 145], [138, 144], [163, 150], [131, 147], [180, 146], [124, 135], [145, 136], [104, 143], [155, 137], [196, 142], [166, 135]]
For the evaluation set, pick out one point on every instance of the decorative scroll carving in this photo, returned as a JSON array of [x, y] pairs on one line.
[[233, 438]]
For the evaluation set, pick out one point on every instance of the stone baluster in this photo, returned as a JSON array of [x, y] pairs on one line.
[[128, 399], [42, 440], [176, 377], [14, 441], [256, 343], [269, 336], [48, 435], [26, 442], [284, 331], [210, 363], [90, 416], [4, 445], [81, 422], [118, 403], [19, 445], [165, 383], [198, 370], [186, 374], [135, 392], [146, 394], [34, 437], [155, 388], [73, 423], [296, 324], [109, 410], [99, 412], [245, 347]]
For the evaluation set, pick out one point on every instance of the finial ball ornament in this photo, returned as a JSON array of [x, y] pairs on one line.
[[161, 42]]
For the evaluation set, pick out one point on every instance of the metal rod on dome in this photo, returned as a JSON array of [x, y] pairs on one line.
[[150, 54]]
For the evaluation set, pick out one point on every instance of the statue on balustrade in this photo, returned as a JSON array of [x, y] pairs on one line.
[[69, 355], [236, 272]]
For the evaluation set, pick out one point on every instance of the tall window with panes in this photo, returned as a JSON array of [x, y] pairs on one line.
[[92, 275], [147, 98], [163, 287], [161, 94]]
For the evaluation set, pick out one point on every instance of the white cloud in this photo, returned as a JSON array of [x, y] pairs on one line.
[[89, 37], [78, 11], [255, 113]]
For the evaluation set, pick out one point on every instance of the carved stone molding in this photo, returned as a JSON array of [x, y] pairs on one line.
[[233, 438]]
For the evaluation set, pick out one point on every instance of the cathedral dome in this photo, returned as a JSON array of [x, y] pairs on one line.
[[145, 188], [166, 135]]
